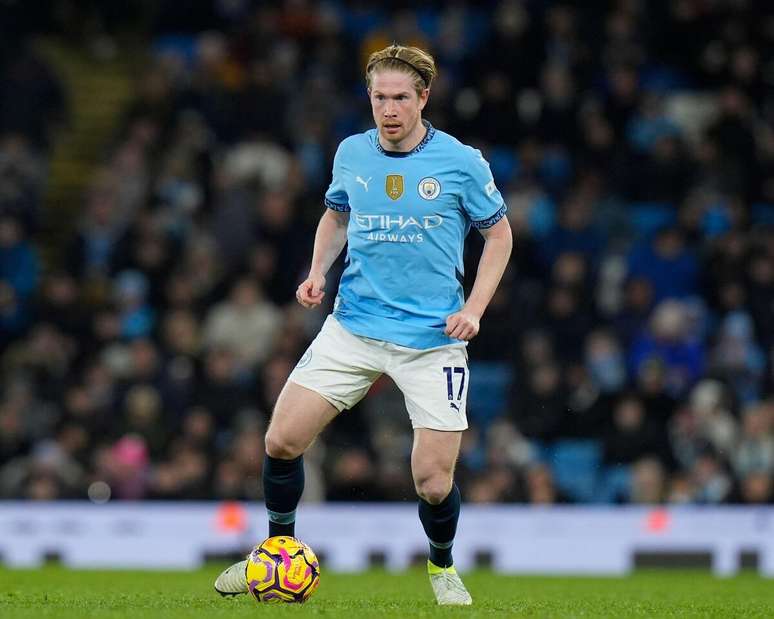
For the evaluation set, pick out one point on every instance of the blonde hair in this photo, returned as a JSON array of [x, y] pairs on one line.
[[411, 60]]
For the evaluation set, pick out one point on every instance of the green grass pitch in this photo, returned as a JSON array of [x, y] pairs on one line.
[[56, 592]]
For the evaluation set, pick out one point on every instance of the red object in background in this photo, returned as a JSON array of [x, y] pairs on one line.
[[231, 518], [657, 521]]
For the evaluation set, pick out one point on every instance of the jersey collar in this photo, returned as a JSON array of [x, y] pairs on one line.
[[391, 153]]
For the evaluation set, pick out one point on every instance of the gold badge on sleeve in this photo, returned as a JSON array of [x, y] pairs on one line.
[[394, 186]]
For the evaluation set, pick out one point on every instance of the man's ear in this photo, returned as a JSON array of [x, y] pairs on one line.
[[423, 98]]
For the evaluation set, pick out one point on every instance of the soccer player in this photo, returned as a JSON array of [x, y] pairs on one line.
[[403, 196]]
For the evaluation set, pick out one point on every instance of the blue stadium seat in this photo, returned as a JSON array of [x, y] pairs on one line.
[[576, 467], [503, 163], [614, 485], [490, 382], [647, 217]]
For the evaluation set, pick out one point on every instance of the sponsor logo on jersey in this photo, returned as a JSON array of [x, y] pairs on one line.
[[394, 186], [490, 188], [429, 188], [363, 182], [397, 228], [397, 222]]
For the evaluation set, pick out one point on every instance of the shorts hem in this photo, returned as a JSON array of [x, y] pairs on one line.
[[426, 427]]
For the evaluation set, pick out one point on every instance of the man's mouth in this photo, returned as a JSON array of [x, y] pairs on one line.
[[391, 128]]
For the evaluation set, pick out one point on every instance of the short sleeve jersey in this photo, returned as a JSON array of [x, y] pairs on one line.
[[409, 216]]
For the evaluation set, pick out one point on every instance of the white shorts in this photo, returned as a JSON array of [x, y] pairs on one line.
[[341, 367]]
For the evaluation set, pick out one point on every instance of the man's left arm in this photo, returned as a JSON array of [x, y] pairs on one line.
[[498, 242]]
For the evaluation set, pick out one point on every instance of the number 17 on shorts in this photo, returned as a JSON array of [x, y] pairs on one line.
[[455, 385]]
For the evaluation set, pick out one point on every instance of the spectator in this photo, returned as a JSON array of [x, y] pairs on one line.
[[145, 345], [760, 273], [22, 180], [712, 482], [632, 435], [574, 231], [59, 303], [220, 389], [245, 324], [135, 315], [605, 361], [757, 488], [539, 411], [667, 264], [705, 425], [651, 388], [632, 319], [32, 100], [737, 358], [540, 487], [94, 247], [668, 340], [755, 452], [648, 477], [18, 259], [124, 466]]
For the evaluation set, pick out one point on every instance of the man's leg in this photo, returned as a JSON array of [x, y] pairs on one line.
[[432, 465], [337, 364], [299, 416]]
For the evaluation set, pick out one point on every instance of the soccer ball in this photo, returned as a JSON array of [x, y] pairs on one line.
[[282, 569]]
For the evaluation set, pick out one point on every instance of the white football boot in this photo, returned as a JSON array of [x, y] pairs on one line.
[[233, 580], [447, 586]]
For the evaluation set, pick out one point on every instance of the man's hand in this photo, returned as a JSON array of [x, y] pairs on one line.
[[310, 293], [463, 325]]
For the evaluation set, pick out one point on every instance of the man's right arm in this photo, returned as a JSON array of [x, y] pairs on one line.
[[329, 240]]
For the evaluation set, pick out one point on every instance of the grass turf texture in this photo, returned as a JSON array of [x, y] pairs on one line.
[[57, 592]]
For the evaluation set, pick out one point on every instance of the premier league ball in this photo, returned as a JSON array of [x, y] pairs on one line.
[[282, 569]]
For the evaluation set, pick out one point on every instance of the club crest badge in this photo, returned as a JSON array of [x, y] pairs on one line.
[[394, 186], [429, 188], [304, 361]]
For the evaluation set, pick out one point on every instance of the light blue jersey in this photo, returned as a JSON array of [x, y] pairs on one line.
[[410, 214]]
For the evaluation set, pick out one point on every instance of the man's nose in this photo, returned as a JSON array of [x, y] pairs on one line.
[[389, 108]]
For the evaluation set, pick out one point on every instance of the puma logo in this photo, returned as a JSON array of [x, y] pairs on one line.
[[454, 406], [364, 183]]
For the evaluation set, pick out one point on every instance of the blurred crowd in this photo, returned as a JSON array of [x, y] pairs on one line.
[[628, 356]]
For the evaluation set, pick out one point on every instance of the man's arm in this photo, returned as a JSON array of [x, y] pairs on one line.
[[329, 240], [498, 242]]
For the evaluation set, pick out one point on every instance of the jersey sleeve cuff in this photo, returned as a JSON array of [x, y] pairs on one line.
[[490, 221], [341, 208]]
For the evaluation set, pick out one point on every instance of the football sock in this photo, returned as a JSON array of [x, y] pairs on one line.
[[440, 524], [283, 484]]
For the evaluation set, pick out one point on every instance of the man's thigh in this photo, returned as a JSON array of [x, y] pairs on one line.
[[435, 386], [339, 366], [299, 416], [434, 452]]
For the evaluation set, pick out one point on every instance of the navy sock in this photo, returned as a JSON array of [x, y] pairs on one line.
[[440, 524], [283, 484]]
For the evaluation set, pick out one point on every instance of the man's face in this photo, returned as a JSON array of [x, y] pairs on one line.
[[395, 105]]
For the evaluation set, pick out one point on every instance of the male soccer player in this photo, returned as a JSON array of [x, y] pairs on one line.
[[404, 196]]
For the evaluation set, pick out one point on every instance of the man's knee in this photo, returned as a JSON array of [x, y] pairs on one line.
[[434, 488], [282, 447]]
